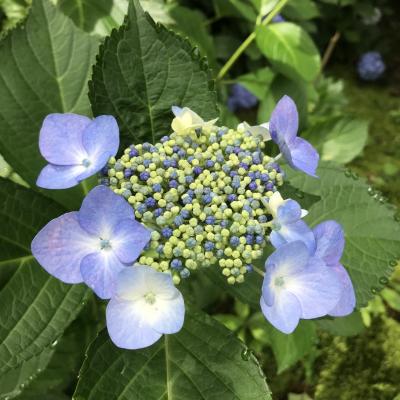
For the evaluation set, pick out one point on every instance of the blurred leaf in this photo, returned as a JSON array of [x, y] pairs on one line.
[[144, 69], [392, 298], [339, 139], [35, 307], [372, 234], [350, 325], [44, 70], [301, 10], [290, 50], [245, 9], [257, 82], [241, 309], [288, 349], [191, 23], [232, 322], [204, 360], [264, 6], [281, 86]]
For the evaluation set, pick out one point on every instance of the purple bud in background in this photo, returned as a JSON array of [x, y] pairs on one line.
[[240, 98], [370, 66]]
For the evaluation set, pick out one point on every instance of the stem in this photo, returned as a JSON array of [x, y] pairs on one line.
[[249, 40], [258, 271], [276, 158], [328, 53]]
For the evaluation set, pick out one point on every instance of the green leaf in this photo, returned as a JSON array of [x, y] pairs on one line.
[[143, 69], [257, 82], [45, 68], [372, 234], [339, 139], [302, 10], [392, 298], [95, 16], [279, 87], [35, 307], [349, 325], [288, 349], [290, 50], [191, 23], [203, 361]]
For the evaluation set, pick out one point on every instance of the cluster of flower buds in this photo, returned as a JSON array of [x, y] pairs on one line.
[[204, 194]]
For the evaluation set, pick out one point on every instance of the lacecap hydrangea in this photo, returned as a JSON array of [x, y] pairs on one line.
[[204, 197]]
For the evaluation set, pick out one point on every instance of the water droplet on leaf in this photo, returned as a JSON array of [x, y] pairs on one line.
[[383, 280], [246, 354], [393, 263], [347, 173], [374, 290]]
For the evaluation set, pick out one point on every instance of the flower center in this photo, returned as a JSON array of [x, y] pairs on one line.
[[86, 162], [279, 281], [150, 298], [105, 244]]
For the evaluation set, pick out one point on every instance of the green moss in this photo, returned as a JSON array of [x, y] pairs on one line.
[[364, 367]]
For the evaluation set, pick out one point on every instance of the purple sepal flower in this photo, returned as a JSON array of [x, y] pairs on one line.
[[76, 147], [283, 127], [146, 305], [329, 239], [297, 285], [94, 244]]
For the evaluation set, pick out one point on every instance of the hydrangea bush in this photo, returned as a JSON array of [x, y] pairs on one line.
[[130, 200]]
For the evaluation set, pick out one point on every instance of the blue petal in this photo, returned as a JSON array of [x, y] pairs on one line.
[[128, 240], [60, 176], [303, 156], [329, 238], [317, 287], [101, 210], [347, 300], [100, 271], [127, 326], [101, 139], [61, 245], [288, 212], [287, 259], [293, 232], [285, 312], [284, 121], [60, 140]]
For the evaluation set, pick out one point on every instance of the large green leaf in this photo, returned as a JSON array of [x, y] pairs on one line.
[[371, 231], [35, 307], [45, 67], [143, 69], [203, 361], [290, 50], [339, 139]]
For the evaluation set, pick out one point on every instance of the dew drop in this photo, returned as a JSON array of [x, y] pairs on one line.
[[397, 217], [54, 344], [354, 176], [382, 200], [393, 263], [383, 280], [246, 354], [123, 370], [371, 191], [374, 290], [348, 173]]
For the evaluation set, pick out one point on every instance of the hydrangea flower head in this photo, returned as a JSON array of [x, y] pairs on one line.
[[371, 66], [187, 121], [283, 126], [240, 98], [287, 225], [329, 238], [76, 147], [94, 244], [204, 194], [145, 306], [297, 286]]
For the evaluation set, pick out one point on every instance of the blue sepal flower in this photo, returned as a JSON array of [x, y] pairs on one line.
[[94, 244], [240, 98], [76, 147], [370, 66], [287, 225], [146, 305], [297, 286], [283, 127]]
